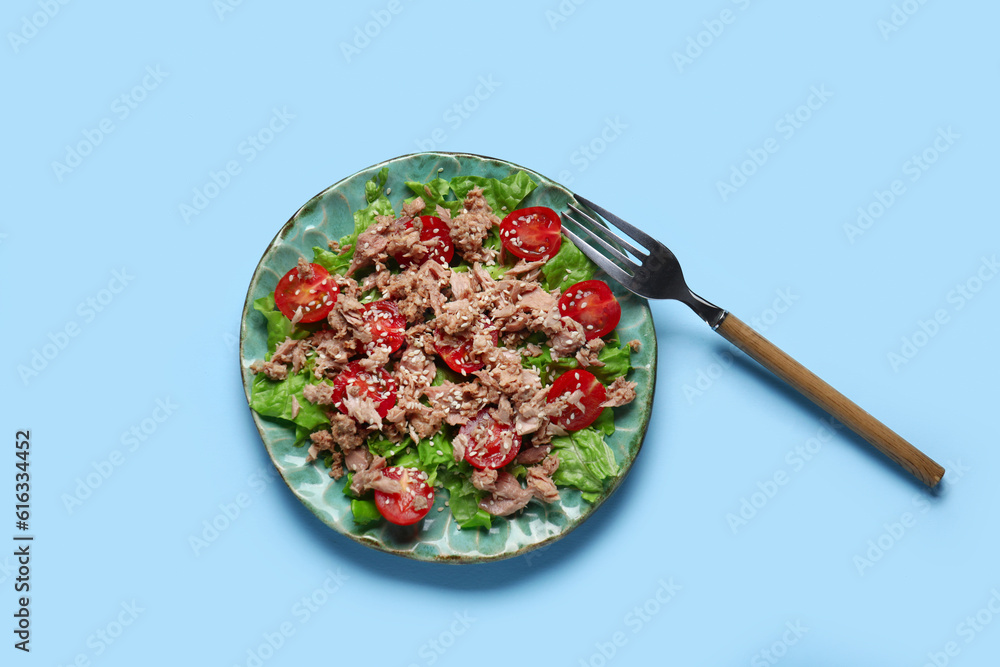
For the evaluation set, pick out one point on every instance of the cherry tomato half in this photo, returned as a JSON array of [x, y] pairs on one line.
[[531, 233], [459, 357], [386, 325], [435, 234], [594, 393], [399, 507], [592, 304], [486, 441], [315, 296], [379, 386]]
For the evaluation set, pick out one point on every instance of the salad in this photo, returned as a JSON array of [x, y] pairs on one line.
[[462, 344]]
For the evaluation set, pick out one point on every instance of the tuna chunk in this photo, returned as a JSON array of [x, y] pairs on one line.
[[470, 227], [540, 479], [620, 392], [272, 370], [320, 394], [361, 407], [506, 495], [371, 478]]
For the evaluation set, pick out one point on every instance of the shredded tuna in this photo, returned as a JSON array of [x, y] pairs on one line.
[[295, 407], [461, 285], [635, 345], [361, 407], [345, 432], [358, 459], [322, 441], [620, 392], [272, 370], [533, 454], [540, 479], [506, 495], [414, 208], [371, 478], [587, 355], [337, 465], [306, 271], [320, 394], [524, 267], [470, 227]]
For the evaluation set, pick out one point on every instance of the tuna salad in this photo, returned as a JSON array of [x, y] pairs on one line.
[[460, 343]]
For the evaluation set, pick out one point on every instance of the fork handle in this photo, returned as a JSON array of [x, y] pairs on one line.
[[822, 394]]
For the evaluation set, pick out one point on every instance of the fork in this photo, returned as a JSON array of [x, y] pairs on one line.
[[657, 275]]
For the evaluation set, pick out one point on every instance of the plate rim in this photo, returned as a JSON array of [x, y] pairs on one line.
[[371, 542]]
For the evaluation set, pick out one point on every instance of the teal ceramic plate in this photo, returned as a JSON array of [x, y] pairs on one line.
[[327, 216]]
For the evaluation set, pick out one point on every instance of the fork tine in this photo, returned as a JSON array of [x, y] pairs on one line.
[[637, 234], [609, 267], [597, 228], [595, 238]]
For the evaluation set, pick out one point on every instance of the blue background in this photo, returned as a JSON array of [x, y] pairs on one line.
[[594, 95]]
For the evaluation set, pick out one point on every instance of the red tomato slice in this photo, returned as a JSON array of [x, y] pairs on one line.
[[574, 418], [592, 304], [436, 234], [379, 386], [531, 233], [487, 443], [399, 507], [459, 357], [315, 296], [387, 326]]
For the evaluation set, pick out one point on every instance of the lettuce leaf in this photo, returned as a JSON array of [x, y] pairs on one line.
[[502, 195], [463, 499], [374, 186], [434, 193], [387, 448], [585, 462], [331, 261], [279, 327], [378, 204], [617, 360], [274, 399], [568, 267], [430, 459], [365, 512]]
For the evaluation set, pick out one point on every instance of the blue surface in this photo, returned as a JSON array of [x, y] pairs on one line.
[[600, 102]]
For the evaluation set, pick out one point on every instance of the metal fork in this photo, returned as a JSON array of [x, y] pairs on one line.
[[656, 274]]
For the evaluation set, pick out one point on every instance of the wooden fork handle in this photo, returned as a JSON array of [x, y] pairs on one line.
[[819, 392]]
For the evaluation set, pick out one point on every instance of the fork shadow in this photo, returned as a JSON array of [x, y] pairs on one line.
[[778, 386]]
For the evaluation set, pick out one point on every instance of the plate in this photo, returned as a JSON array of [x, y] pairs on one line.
[[327, 216]]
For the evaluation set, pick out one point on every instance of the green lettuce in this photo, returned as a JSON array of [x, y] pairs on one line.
[[503, 195], [331, 261], [617, 359], [567, 268], [434, 193], [378, 204], [430, 459], [463, 499], [387, 448], [365, 512], [376, 184], [274, 399], [585, 462], [279, 327]]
